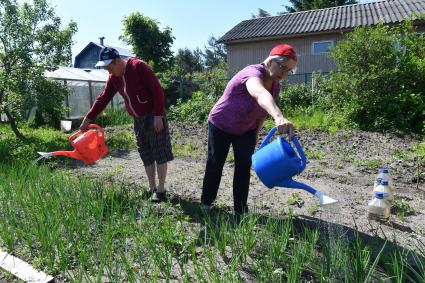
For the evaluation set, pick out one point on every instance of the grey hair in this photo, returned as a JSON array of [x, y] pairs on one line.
[[276, 57]]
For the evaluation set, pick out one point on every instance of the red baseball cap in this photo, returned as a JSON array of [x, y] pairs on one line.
[[285, 50]]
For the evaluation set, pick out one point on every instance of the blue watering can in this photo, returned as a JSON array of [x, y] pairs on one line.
[[276, 163]]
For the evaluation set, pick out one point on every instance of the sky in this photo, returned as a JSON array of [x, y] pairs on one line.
[[192, 22]]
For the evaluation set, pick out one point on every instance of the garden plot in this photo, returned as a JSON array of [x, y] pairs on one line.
[[95, 223], [341, 165]]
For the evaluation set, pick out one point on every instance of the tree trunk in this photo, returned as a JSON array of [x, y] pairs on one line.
[[13, 125]]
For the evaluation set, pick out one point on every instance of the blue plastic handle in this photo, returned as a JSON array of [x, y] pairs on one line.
[[294, 140], [269, 135]]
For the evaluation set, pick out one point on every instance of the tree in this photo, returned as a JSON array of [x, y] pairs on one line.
[[188, 62], [149, 43], [214, 53], [261, 13], [31, 42], [304, 5]]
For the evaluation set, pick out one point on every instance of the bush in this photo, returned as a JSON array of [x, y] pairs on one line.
[[380, 84], [44, 139], [194, 110], [111, 117]]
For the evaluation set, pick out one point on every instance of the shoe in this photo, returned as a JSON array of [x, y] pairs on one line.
[[151, 191], [159, 197], [205, 208]]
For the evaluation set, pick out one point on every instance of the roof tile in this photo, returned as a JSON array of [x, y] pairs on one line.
[[335, 18]]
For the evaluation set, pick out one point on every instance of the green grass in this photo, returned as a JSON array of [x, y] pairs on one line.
[[316, 119], [111, 117], [312, 119], [85, 230], [48, 139], [188, 149]]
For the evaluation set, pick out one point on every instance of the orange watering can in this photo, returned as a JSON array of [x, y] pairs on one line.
[[88, 146]]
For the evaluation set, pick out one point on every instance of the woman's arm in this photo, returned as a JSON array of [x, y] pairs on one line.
[[263, 97]]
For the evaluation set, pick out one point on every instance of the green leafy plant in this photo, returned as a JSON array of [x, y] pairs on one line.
[[295, 199], [196, 109], [380, 86], [401, 208], [111, 117]]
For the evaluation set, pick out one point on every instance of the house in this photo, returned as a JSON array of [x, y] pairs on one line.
[[312, 33], [89, 56]]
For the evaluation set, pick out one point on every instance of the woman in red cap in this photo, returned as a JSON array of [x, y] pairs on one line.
[[237, 118]]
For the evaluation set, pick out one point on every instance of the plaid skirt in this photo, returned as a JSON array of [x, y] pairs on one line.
[[152, 146]]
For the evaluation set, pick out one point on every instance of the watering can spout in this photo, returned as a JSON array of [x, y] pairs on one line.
[[73, 154], [324, 200], [289, 183]]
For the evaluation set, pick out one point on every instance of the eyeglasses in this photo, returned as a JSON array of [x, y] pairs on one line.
[[284, 67]]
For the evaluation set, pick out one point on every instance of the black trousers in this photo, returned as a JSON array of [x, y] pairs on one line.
[[218, 149]]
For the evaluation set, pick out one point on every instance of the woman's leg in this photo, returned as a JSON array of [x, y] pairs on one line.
[[243, 148], [218, 148]]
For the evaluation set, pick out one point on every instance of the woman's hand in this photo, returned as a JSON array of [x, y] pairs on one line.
[[85, 124], [284, 126], [158, 124]]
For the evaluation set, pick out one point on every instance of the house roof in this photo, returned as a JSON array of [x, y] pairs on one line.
[[330, 19], [76, 74], [122, 51]]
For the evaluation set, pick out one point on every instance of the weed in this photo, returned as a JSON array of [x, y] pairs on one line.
[[295, 199], [372, 164], [342, 179], [313, 209], [314, 154], [401, 208], [188, 149]]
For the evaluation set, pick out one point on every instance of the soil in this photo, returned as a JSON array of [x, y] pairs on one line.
[[344, 167]]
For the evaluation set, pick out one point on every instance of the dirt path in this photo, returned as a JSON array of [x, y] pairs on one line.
[[340, 166]]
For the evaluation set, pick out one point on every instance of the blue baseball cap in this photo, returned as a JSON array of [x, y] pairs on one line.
[[107, 54]]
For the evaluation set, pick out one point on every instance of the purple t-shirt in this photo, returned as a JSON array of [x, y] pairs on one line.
[[236, 112]]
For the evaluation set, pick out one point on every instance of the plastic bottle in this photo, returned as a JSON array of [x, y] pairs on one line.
[[378, 207], [385, 188], [383, 173]]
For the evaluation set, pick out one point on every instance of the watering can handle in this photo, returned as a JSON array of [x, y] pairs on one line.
[[98, 128], [91, 126], [73, 136], [294, 140], [300, 152], [269, 135]]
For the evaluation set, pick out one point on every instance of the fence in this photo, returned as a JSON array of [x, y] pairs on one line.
[[185, 88], [87, 86]]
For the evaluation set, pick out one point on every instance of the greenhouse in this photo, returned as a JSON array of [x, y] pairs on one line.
[[85, 86]]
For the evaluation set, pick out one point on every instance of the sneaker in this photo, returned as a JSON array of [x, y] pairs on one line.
[[205, 208], [159, 197]]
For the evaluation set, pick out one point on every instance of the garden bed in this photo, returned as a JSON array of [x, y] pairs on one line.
[[342, 165]]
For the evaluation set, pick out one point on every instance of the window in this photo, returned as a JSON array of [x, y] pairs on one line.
[[320, 47]]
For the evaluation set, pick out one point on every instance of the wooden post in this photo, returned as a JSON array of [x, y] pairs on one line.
[[65, 82], [91, 94]]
